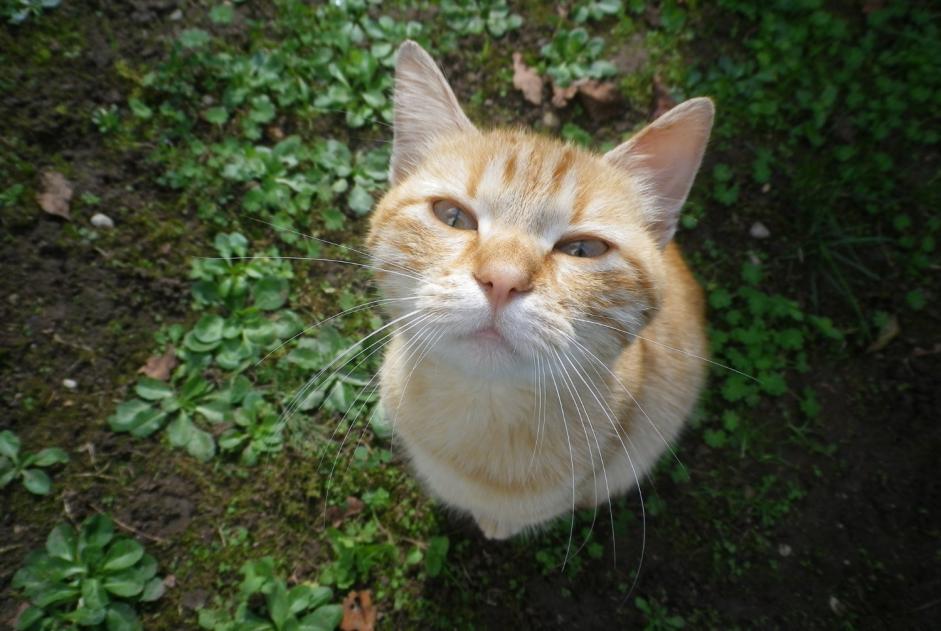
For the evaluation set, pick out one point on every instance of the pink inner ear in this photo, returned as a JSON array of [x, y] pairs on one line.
[[425, 107], [664, 158]]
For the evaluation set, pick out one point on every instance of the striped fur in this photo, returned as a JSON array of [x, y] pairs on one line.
[[567, 407]]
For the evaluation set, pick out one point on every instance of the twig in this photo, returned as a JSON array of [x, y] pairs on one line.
[[132, 529], [6, 549]]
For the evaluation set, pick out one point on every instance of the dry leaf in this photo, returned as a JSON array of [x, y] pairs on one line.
[[358, 612], [601, 99], [562, 96], [662, 101], [56, 194], [160, 366], [527, 80], [336, 515], [888, 331]]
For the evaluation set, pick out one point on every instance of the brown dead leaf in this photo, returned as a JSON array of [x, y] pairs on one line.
[[662, 101], [56, 194], [359, 614], [886, 334], [160, 366], [562, 96], [336, 515], [601, 99], [527, 80], [871, 6]]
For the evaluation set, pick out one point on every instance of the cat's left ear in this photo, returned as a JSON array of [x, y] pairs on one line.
[[425, 107], [664, 158]]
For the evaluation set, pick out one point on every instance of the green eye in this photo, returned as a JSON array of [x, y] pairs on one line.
[[583, 248], [451, 213]]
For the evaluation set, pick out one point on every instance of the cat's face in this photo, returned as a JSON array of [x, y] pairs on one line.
[[509, 241], [496, 247]]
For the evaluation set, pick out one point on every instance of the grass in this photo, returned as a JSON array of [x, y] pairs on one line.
[[263, 129]]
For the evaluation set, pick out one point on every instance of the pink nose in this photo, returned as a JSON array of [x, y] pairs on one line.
[[501, 283]]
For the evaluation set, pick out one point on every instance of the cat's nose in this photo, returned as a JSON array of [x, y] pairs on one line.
[[501, 283]]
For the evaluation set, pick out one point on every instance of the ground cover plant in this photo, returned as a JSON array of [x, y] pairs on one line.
[[206, 353]]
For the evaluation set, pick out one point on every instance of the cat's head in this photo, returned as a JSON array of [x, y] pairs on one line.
[[498, 246]]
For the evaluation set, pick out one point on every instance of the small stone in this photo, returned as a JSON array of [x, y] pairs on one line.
[[176, 16], [784, 550], [101, 220], [71, 384], [836, 606], [766, 187], [550, 120], [759, 230]]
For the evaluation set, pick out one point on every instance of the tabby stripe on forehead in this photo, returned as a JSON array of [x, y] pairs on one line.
[[561, 168], [582, 196], [477, 168]]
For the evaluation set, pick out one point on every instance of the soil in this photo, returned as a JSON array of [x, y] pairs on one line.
[[860, 550]]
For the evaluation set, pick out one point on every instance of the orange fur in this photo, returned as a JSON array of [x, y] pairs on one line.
[[562, 405]]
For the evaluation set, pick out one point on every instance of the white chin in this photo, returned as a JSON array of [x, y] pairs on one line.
[[484, 355]]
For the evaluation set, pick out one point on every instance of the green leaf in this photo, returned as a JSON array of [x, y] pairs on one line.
[[222, 14], [123, 554], [153, 590], [278, 604], [125, 585], [55, 595], [216, 115], [435, 555], [140, 109], [194, 38], [180, 430], [325, 618], [94, 595], [916, 299], [50, 456], [29, 617], [87, 616], [271, 293], [152, 389], [61, 542], [36, 481], [121, 617], [97, 531], [137, 417], [209, 329], [214, 411], [360, 201], [714, 438], [201, 445], [9, 444]]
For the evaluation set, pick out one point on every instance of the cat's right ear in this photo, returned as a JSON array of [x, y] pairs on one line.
[[425, 107]]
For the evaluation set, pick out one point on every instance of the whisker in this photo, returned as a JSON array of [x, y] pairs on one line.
[[324, 321], [312, 260], [291, 408], [667, 346], [334, 243], [568, 547], [579, 407]]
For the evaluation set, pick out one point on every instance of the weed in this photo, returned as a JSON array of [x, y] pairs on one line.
[[90, 578], [28, 467]]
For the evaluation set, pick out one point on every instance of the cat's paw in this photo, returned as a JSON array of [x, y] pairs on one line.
[[497, 529]]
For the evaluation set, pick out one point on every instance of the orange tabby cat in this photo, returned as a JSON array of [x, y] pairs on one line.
[[548, 336]]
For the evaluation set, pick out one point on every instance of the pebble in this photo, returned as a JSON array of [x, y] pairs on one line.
[[550, 120], [759, 230], [71, 384], [784, 550], [176, 16], [836, 606], [101, 220]]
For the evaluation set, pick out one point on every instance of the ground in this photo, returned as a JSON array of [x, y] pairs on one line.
[[812, 505]]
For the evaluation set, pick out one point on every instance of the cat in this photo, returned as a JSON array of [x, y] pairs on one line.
[[548, 337]]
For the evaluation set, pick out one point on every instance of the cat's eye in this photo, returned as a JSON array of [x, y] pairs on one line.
[[583, 248], [452, 214]]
